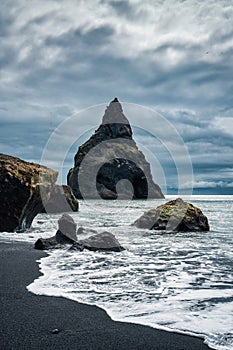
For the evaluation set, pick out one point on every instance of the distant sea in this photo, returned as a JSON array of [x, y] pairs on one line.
[[179, 282]]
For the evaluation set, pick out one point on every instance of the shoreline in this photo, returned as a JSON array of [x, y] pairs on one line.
[[27, 319]]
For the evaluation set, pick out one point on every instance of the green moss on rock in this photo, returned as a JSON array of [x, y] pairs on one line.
[[173, 216]]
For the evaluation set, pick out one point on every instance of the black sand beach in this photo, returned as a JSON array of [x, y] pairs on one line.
[[27, 319]]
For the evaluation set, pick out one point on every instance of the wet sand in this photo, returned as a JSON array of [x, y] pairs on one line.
[[27, 320]]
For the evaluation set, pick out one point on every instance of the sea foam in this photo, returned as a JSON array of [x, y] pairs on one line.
[[181, 282]]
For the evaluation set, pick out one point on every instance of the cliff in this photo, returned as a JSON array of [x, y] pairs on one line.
[[24, 190]]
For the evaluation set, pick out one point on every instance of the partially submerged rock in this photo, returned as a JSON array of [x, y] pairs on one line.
[[174, 216], [61, 200], [46, 243], [85, 231], [24, 190], [66, 234], [67, 228], [104, 241]]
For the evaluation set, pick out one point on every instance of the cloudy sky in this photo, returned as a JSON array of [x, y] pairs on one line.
[[174, 56]]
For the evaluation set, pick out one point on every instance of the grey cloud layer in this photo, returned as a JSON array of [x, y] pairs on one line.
[[174, 56]]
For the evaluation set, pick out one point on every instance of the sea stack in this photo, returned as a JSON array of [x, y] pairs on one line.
[[109, 165]]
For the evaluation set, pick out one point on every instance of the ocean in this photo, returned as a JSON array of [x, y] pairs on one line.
[[179, 282]]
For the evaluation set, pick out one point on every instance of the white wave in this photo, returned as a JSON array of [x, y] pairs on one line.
[[181, 282]]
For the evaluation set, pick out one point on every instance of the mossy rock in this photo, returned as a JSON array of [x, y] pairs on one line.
[[174, 216]]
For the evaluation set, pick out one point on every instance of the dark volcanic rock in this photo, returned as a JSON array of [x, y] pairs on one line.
[[108, 157], [77, 247], [61, 200], [174, 216], [104, 241], [85, 231], [24, 190], [67, 228], [66, 234], [46, 243]]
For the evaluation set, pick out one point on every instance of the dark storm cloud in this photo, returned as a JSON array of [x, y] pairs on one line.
[[209, 82], [6, 20], [123, 8], [75, 37], [98, 36], [13, 139]]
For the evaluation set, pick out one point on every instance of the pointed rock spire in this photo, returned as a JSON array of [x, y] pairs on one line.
[[114, 114], [108, 157]]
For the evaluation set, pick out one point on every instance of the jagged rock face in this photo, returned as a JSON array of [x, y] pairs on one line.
[[66, 234], [61, 200], [174, 216], [110, 165], [104, 241], [122, 169], [24, 190], [67, 227]]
